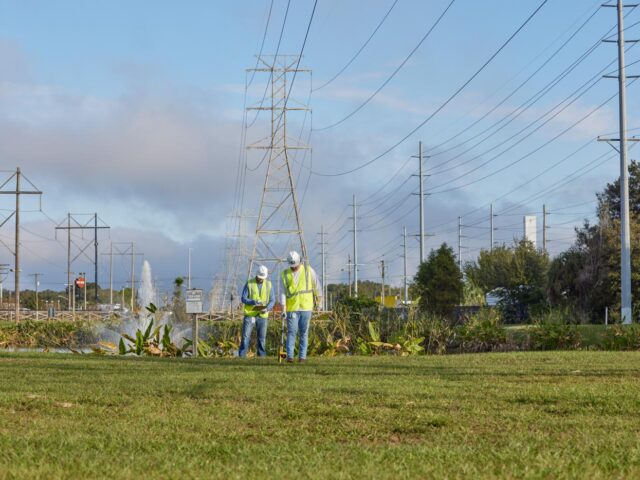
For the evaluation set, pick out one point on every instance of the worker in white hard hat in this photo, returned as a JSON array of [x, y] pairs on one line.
[[302, 290], [258, 299]]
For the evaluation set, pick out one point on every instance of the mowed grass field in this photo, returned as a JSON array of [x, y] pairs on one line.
[[515, 415]]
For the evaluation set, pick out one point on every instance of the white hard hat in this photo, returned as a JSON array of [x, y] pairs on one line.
[[293, 259], [262, 272]]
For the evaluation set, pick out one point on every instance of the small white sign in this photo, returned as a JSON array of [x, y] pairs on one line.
[[194, 300]]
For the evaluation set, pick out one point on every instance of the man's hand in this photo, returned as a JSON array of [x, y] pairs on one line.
[[283, 315]]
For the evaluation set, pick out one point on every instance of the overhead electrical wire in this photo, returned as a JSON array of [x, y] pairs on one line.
[[266, 88], [528, 103], [264, 36], [443, 105], [471, 112], [529, 154], [534, 98], [348, 64], [539, 94], [393, 74]]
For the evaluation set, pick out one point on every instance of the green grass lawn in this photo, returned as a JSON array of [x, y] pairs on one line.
[[517, 415]]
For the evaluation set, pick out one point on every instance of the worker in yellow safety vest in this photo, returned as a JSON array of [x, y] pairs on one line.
[[258, 299], [301, 291]]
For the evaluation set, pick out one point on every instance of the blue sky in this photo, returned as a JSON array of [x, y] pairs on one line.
[[134, 110]]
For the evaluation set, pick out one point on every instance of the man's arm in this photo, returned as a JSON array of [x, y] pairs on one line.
[[245, 295], [317, 288], [272, 299]]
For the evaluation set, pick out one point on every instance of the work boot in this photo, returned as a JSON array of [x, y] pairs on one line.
[[289, 360], [302, 360]]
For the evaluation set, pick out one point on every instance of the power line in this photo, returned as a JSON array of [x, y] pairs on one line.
[[384, 18], [537, 149], [264, 36], [266, 88], [443, 105], [518, 111], [398, 68]]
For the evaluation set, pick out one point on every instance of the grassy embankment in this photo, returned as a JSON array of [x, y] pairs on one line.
[[521, 415]]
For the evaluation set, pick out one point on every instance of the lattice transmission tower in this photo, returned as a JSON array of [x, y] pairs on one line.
[[279, 222]]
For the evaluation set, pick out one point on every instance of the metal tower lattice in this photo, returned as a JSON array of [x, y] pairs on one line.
[[279, 223]]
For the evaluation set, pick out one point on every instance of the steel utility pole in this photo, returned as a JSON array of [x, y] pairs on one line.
[[123, 249], [84, 275], [421, 194], [95, 264], [4, 271], [133, 276], [382, 293], [544, 228], [404, 261], [421, 173], [36, 277], [491, 227], [111, 275], [279, 222], [625, 237], [349, 270], [16, 253], [189, 277], [74, 223], [69, 298], [355, 248], [460, 243]]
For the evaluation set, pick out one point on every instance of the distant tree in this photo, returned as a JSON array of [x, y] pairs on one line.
[[472, 294], [586, 278], [178, 306], [439, 282], [609, 198], [366, 289], [517, 274]]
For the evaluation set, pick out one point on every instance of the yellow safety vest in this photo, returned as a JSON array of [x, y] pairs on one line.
[[299, 296], [261, 295]]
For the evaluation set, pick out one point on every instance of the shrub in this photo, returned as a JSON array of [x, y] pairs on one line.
[[47, 334], [548, 335], [483, 333], [623, 337], [438, 333]]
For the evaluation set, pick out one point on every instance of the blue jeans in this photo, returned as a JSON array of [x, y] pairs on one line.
[[247, 328], [298, 322]]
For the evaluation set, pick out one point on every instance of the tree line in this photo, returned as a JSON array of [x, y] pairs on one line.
[[584, 279]]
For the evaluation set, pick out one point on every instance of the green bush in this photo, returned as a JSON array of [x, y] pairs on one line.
[[483, 333], [438, 333], [548, 335], [47, 334], [623, 337]]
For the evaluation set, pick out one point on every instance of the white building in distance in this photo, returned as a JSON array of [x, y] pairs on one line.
[[530, 230]]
